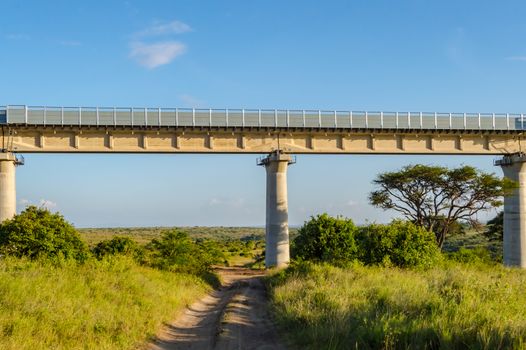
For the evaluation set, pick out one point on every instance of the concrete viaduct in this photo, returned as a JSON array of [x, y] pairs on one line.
[[277, 133]]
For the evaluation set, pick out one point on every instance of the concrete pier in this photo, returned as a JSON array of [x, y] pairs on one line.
[[277, 252], [514, 245], [8, 161]]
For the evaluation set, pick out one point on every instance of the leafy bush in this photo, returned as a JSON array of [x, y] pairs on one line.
[[116, 246], [400, 243], [495, 228], [36, 232], [478, 255], [176, 251], [325, 238]]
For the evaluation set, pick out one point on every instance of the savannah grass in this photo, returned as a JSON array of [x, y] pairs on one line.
[[108, 304], [452, 306]]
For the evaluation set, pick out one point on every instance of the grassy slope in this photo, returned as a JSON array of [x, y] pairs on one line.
[[456, 306], [99, 305]]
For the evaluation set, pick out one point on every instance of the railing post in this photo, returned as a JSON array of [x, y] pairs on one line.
[[80, 116], [465, 122], [382, 120], [436, 121], [259, 117], [62, 116], [210, 117], [421, 121], [131, 115], [350, 119], [159, 116], [45, 114], [26, 114], [145, 116], [97, 116], [288, 117], [243, 117], [409, 120], [193, 117], [396, 121], [522, 121], [450, 121], [493, 121], [335, 120], [176, 117], [275, 118], [114, 116], [366, 119], [319, 118], [226, 116], [508, 121], [304, 125]]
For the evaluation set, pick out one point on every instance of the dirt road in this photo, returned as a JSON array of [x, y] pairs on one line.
[[233, 317]]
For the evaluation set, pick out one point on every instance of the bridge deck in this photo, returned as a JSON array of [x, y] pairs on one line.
[[252, 118]]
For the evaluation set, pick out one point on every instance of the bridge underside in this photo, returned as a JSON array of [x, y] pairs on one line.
[[28, 139]]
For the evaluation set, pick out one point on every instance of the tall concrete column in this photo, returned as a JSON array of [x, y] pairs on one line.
[[8, 161], [514, 245], [277, 252]]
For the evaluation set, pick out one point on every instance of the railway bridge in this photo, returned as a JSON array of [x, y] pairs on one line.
[[276, 133]]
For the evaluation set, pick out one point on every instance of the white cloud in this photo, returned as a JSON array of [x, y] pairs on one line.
[[351, 203], [165, 28], [516, 58], [46, 203], [156, 54], [191, 101], [17, 36]]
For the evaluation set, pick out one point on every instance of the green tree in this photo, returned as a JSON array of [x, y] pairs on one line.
[[36, 232], [325, 238], [400, 243], [116, 246], [495, 228], [435, 197], [176, 251]]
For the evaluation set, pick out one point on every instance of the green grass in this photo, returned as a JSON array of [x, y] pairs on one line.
[[109, 304], [454, 306], [143, 235]]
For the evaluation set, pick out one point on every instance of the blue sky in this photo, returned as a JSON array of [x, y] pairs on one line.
[[460, 56]]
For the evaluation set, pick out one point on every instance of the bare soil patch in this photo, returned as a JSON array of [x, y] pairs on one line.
[[232, 317]]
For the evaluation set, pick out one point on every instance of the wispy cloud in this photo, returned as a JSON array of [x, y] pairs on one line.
[[70, 43], [165, 28], [191, 101], [516, 58], [152, 54], [17, 36], [46, 203], [156, 54]]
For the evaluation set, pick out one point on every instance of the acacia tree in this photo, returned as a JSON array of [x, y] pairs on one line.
[[436, 197]]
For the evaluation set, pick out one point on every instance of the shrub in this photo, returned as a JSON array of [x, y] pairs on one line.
[[400, 243], [175, 251], [325, 238], [116, 246], [36, 232], [478, 255]]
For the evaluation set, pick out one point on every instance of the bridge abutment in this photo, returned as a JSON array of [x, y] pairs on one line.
[[514, 244], [277, 252], [8, 162]]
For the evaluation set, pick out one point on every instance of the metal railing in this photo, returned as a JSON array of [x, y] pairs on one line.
[[259, 118]]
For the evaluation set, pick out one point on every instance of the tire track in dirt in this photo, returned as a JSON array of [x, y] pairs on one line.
[[232, 317]]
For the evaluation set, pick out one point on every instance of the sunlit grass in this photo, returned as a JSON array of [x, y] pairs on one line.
[[453, 306], [110, 304]]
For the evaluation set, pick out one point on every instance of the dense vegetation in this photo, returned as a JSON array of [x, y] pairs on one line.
[[57, 293], [338, 241], [452, 306]]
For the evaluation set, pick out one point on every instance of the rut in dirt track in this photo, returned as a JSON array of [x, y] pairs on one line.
[[232, 317]]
